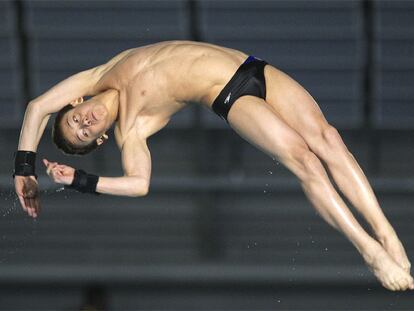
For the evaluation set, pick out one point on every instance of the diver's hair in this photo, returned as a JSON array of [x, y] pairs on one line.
[[62, 143]]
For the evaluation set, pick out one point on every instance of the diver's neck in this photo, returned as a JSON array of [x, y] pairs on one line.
[[110, 99]]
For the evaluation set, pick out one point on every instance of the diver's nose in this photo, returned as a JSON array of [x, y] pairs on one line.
[[86, 121]]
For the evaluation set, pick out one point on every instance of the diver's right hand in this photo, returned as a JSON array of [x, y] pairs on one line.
[[27, 191]]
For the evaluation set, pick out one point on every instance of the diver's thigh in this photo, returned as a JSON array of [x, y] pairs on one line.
[[253, 119], [293, 103]]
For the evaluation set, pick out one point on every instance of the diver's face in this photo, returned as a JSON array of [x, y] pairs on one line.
[[85, 123]]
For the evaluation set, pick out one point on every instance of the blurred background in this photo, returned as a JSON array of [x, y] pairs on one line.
[[224, 227]]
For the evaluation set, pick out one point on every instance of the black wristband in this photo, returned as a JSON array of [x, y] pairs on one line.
[[24, 163], [84, 182]]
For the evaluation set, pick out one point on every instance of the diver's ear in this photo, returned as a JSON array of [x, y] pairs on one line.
[[77, 101], [102, 139]]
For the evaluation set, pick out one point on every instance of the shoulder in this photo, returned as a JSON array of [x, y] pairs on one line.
[[105, 74]]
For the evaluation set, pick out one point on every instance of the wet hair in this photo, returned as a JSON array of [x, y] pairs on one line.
[[62, 143]]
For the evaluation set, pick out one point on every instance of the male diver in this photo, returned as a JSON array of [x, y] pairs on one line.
[[140, 89]]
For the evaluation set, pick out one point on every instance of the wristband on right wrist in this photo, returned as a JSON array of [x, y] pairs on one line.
[[24, 163], [84, 182]]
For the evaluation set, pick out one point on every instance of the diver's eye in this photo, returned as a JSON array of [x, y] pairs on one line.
[[85, 133], [75, 119]]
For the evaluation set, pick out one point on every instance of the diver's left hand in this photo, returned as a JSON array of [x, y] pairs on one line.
[[59, 173]]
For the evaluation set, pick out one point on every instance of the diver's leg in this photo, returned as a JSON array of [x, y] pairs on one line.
[[255, 121], [300, 111]]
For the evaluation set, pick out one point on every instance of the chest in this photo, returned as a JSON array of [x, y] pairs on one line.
[[141, 113]]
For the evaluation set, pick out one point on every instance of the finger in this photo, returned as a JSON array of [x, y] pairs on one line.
[[57, 168], [55, 176], [30, 205], [22, 203], [61, 167], [27, 203], [49, 168], [37, 205], [34, 209], [34, 202], [52, 166]]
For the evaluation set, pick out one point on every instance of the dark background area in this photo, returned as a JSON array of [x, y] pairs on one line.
[[224, 227]]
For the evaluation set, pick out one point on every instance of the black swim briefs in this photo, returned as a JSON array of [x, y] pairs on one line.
[[248, 80]]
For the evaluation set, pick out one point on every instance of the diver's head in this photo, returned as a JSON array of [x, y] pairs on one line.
[[81, 125]]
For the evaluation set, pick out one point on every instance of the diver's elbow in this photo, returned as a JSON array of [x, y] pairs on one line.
[[140, 191]]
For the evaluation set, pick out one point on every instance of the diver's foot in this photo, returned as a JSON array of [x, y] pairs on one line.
[[391, 275], [393, 246]]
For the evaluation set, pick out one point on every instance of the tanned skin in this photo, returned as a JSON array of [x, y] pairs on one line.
[[139, 90]]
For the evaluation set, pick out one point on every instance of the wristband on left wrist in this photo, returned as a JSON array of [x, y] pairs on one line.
[[84, 182]]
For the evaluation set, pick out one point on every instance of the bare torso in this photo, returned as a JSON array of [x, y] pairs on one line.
[[156, 81]]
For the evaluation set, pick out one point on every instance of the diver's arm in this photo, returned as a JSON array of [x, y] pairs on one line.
[[136, 163], [136, 160], [131, 186], [39, 109], [35, 119], [84, 83]]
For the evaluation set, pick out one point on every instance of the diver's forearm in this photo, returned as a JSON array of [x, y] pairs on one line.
[[33, 127], [132, 186]]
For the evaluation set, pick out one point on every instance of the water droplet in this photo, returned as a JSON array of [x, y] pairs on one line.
[[270, 172], [60, 189], [326, 249], [264, 191]]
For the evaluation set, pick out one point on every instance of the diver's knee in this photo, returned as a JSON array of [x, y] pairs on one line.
[[311, 163], [304, 163], [332, 137], [327, 143]]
